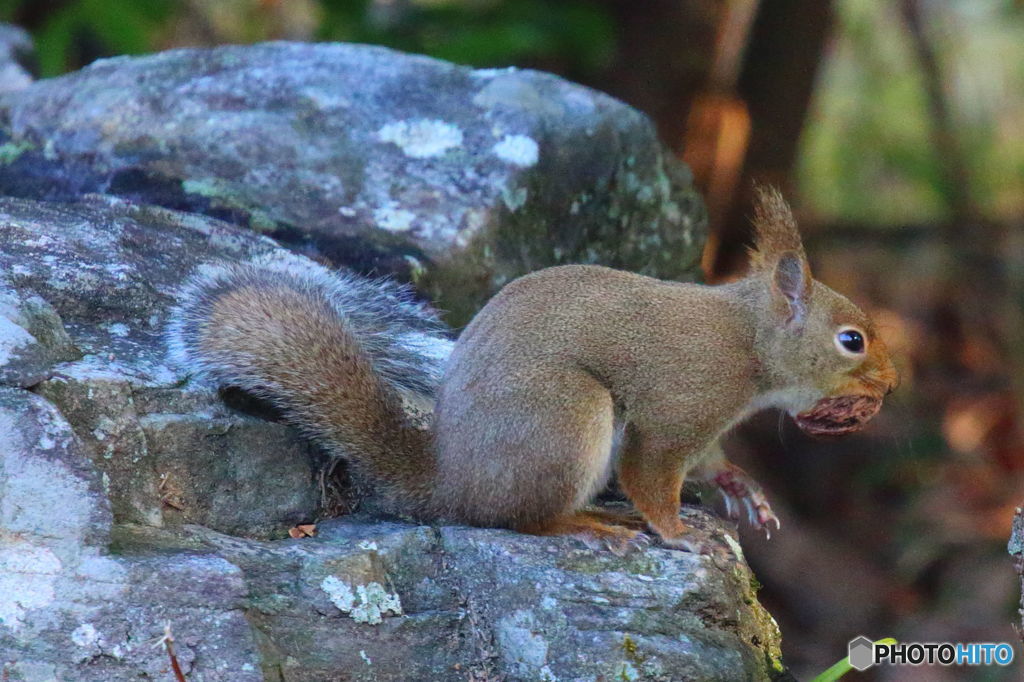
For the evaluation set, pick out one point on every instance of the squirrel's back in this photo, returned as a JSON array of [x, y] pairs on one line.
[[343, 357]]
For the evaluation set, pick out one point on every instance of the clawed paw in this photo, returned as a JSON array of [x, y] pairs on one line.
[[620, 542], [742, 494], [685, 544], [621, 547]]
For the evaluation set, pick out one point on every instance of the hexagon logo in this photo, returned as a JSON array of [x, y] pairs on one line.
[[862, 653]]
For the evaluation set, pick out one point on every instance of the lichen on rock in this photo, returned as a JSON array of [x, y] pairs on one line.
[[368, 603]]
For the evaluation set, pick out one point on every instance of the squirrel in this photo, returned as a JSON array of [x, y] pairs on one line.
[[564, 375]]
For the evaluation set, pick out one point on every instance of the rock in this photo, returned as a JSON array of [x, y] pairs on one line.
[[1016, 549], [50, 490], [32, 338], [380, 161], [100, 275], [390, 601], [132, 497], [17, 58], [656, 615], [1016, 544], [69, 609]]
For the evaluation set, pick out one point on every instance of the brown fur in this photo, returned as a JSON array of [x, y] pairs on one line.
[[775, 230], [329, 387], [527, 410]]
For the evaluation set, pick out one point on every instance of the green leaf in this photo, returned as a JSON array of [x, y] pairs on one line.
[[53, 41], [124, 26]]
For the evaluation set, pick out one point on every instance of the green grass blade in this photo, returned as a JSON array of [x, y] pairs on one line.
[[843, 666]]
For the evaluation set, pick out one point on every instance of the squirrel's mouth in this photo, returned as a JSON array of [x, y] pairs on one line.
[[839, 415]]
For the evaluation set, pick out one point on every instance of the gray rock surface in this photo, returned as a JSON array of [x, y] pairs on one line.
[[131, 497], [72, 610], [457, 179], [100, 276], [17, 58], [32, 338], [1016, 549]]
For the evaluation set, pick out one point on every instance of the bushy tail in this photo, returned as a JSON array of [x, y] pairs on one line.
[[340, 355]]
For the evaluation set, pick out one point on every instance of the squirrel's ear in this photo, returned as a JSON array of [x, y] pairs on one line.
[[775, 230], [779, 255], [791, 287]]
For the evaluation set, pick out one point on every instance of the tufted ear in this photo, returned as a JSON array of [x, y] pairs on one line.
[[778, 254], [775, 230], [791, 287]]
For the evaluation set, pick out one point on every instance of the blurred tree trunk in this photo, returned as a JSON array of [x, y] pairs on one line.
[[664, 52], [776, 81], [718, 124], [735, 95]]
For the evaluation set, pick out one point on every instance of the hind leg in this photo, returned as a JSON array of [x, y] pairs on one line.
[[503, 465], [627, 518], [592, 530]]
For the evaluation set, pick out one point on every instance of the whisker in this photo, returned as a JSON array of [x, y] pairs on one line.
[[782, 439]]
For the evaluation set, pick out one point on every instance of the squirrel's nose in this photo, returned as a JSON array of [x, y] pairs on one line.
[[893, 384]]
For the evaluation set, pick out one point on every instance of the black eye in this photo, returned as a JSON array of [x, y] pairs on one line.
[[852, 340]]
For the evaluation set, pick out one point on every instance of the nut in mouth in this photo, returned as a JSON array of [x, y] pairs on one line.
[[839, 415]]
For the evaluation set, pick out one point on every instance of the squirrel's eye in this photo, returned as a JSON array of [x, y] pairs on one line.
[[851, 341]]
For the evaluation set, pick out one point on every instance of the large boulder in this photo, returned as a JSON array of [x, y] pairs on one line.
[[133, 499], [457, 179]]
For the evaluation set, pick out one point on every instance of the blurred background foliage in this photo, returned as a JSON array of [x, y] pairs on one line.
[[898, 129], [477, 32], [867, 155]]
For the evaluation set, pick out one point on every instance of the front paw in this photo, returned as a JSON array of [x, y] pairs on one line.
[[760, 514], [741, 492]]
